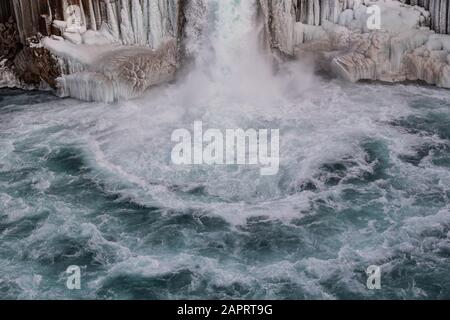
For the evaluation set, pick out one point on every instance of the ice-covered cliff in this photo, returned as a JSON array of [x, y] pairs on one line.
[[107, 50], [130, 22], [82, 36], [338, 32]]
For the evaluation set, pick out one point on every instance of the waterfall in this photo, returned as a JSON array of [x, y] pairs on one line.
[[230, 34], [223, 38], [226, 59]]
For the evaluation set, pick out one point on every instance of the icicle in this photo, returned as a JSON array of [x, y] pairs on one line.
[[65, 5], [138, 23], [173, 14], [310, 14], [443, 17], [448, 20], [146, 21], [125, 26], [335, 11], [112, 21], [324, 11], [92, 16], [98, 15], [83, 16], [316, 12], [155, 30], [50, 14]]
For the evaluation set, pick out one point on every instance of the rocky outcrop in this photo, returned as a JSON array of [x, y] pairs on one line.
[[9, 48], [27, 66], [9, 40], [6, 11], [35, 66]]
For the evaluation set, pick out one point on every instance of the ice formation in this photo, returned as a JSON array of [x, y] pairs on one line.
[[111, 72], [139, 22], [133, 48], [404, 48], [105, 48]]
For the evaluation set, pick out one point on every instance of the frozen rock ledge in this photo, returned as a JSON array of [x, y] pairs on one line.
[[94, 50], [337, 35], [112, 72]]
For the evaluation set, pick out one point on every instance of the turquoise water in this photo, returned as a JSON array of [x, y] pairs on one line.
[[364, 180]]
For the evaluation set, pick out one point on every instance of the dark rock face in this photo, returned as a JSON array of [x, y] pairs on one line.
[[34, 65], [6, 11], [31, 17], [9, 40], [31, 65]]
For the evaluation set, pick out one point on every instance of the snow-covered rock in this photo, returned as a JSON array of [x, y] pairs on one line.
[[106, 50], [111, 72], [343, 42], [430, 62]]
